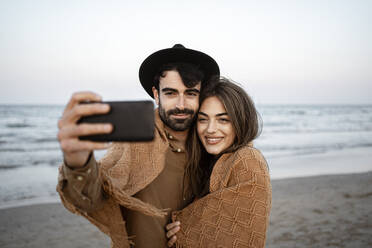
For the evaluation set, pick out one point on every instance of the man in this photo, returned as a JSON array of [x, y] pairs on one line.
[[129, 193]]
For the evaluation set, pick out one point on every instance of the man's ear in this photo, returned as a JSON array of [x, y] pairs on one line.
[[156, 95]]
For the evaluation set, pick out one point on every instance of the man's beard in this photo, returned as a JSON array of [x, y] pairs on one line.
[[176, 124]]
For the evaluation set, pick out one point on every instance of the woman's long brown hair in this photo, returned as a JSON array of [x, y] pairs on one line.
[[245, 120]]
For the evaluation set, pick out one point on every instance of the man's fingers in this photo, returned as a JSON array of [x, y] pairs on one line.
[[82, 96], [75, 145], [74, 114], [173, 231], [172, 228], [173, 224], [87, 109], [74, 131], [172, 241]]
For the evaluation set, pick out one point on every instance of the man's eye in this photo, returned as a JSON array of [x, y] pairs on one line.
[[169, 93], [192, 94]]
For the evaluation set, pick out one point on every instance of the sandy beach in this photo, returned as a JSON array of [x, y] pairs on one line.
[[318, 211], [322, 211]]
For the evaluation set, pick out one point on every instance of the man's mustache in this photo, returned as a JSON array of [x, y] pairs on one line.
[[179, 111]]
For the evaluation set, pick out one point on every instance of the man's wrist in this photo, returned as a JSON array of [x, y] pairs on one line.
[[74, 167]]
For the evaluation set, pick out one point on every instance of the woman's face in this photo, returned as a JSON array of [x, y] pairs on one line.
[[214, 126]]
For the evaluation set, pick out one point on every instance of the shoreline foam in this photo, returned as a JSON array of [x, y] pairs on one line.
[[39, 182]]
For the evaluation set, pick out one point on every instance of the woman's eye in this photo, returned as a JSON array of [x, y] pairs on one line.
[[223, 120], [202, 120]]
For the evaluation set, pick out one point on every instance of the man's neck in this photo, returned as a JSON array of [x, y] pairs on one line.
[[180, 136]]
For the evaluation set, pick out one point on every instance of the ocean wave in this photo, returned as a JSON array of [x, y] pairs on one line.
[[18, 125], [276, 153], [45, 140], [38, 149], [9, 167], [52, 162], [297, 112], [277, 124], [361, 145], [12, 150], [301, 130], [6, 135], [296, 150]]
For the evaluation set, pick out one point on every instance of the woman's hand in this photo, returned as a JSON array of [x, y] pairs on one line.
[[172, 229]]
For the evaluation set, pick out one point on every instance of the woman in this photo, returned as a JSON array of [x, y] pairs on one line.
[[229, 177]]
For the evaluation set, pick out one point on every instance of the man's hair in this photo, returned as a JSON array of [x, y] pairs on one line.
[[190, 74], [245, 121]]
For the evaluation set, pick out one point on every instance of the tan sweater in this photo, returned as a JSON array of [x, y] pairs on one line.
[[98, 190]]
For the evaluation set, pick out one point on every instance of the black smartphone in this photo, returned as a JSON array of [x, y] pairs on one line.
[[131, 120]]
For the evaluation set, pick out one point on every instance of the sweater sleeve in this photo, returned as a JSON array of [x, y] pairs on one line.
[[236, 214], [81, 188]]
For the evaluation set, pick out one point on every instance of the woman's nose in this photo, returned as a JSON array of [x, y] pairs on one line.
[[212, 127]]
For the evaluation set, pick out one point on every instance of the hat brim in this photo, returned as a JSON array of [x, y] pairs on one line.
[[152, 63]]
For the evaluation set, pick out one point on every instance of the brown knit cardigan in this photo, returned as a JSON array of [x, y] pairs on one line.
[[236, 211]]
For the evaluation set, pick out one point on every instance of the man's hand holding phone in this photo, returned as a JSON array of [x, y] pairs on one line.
[[76, 151], [87, 124]]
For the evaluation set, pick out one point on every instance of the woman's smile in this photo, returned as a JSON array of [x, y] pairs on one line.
[[213, 140]]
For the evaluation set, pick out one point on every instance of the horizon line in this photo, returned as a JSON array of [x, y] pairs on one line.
[[257, 104]]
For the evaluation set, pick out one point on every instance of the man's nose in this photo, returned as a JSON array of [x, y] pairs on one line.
[[181, 102]]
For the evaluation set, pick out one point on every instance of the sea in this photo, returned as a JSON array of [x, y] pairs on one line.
[[30, 153]]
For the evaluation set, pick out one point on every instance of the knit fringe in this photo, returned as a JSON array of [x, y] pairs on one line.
[[135, 204]]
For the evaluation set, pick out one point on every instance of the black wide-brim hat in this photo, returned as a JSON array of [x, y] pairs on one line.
[[178, 53]]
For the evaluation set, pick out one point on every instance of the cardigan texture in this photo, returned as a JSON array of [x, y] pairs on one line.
[[236, 211]]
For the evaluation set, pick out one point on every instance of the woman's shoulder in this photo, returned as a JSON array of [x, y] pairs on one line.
[[248, 152], [248, 157], [244, 164]]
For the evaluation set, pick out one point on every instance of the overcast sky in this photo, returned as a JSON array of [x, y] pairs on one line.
[[280, 51]]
